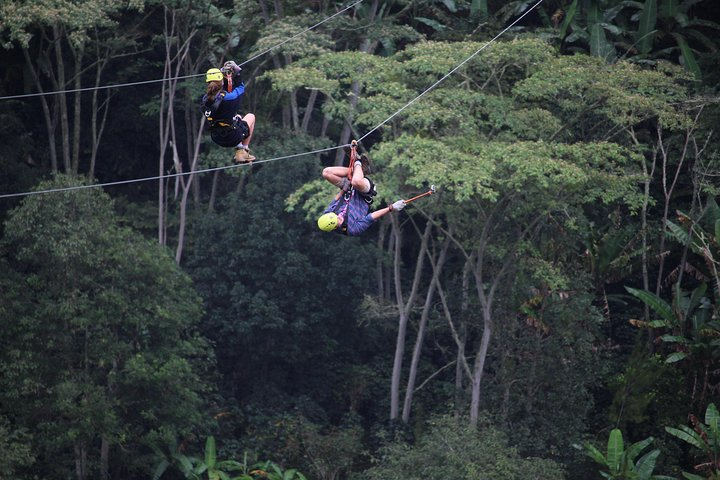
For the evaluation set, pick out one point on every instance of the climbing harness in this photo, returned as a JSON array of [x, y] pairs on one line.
[[210, 110]]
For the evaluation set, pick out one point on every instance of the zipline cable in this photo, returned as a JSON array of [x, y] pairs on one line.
[[297, 34], [227, 167], [183, 77], [169, 175], [453, 70]]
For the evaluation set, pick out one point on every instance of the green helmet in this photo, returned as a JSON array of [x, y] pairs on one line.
[[328, 222]]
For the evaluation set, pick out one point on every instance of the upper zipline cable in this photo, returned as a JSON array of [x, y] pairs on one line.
[[227, 167], [183, 77], [453, 70]]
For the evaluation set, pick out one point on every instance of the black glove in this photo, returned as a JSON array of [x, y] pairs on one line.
[[230, 65]]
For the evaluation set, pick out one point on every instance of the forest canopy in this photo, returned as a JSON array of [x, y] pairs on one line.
[[547, 308]]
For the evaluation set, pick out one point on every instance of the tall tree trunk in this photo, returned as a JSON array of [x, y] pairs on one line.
[[417, 350], [668, 190], [186, 189], [308, 110], [80, 460], [78, 55], [404, 307], [479, 365], [49, 116], [104, 458], [61, 99]]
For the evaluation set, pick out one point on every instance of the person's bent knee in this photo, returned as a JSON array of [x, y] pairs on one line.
[[327, 173], [361, 184]]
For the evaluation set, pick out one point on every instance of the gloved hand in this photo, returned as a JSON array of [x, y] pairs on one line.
[[230, 65], [345, 185], [399, 205]]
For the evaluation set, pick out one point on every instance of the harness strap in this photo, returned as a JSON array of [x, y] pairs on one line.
[[353, 158], [211, 109]]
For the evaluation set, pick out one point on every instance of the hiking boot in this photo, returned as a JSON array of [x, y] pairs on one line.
[[365, 162], [243, 156]]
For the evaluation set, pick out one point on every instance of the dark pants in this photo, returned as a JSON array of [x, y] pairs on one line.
[[230, 136]]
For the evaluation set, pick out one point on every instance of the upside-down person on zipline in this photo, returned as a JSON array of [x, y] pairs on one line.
[[348, 212], [221, 104]]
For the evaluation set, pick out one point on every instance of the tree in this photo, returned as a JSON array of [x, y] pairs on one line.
[[69, 40], [101, 348], [451, 449]]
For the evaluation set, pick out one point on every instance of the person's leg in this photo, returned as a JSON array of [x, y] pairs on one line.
[[335, 175], [250, 120], [242, 152], [359, 182]]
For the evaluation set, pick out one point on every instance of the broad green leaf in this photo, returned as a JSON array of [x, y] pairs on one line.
[[712, 419], [688, 56], [656, 304], [569, 15], [229, 465], [615, 450], [185, 463], [675, 357], [599, 45], [479, 8], [634, 450], [668, 8], [162, 466], [646, 464], [450, 5], [431, 23], [674, 339], [695, 298], [646, 28], [678, 233], [692, 476], [210, 454], [687, 435]]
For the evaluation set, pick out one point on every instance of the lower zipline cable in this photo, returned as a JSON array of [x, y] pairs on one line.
[[255, 162]]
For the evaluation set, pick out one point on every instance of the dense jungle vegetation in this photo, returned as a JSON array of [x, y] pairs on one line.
[[551, 312]]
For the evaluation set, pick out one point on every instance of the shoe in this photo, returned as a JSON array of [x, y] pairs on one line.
[[243, 156], [365, 162]]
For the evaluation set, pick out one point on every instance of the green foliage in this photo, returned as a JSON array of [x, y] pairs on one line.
[[210, 468], [454, 450], [704, 437], [15, 450], [623, 463], [101, 335], [80, 19]]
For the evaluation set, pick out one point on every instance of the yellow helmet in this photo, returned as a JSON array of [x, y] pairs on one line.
[[328, 222], [213, 75]]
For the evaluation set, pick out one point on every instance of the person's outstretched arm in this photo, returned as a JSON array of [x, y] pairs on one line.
[[398, 205]]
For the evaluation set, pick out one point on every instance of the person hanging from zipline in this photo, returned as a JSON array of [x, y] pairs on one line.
[[221, 104], [348, 213]]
